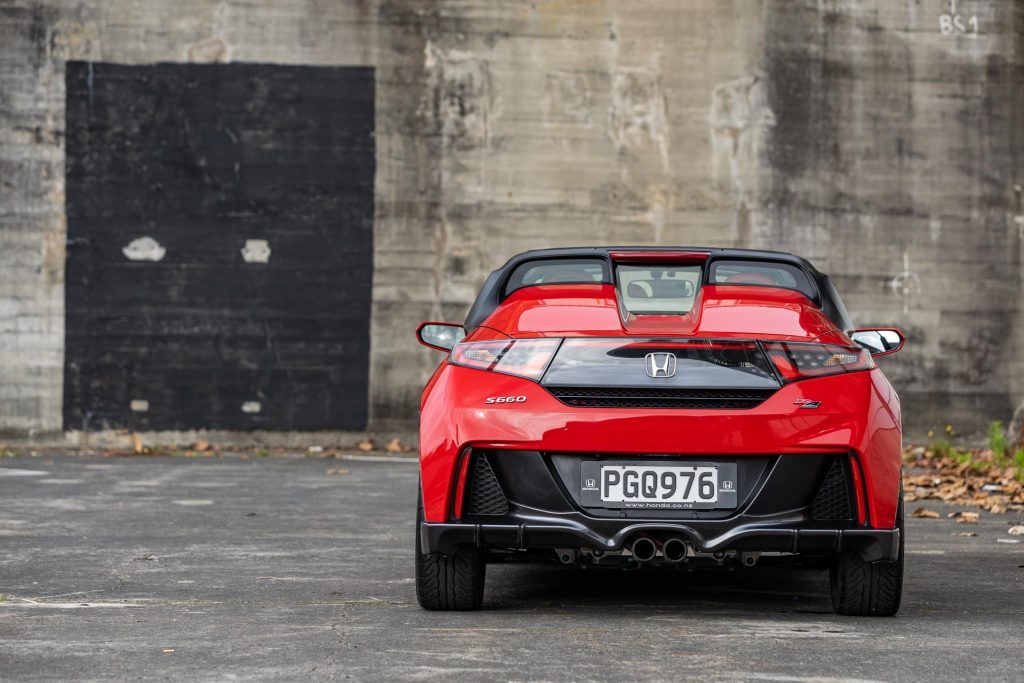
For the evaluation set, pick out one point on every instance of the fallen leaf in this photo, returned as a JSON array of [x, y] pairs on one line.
[[137, 440], [963, 533], [923, 513], [1017, 530], [168, 650], [316, 449], [366, 445], [394, 446], [968, 518], [341, 471], [201, 445]]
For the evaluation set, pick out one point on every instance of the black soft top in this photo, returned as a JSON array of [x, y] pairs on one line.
[[493, 291]]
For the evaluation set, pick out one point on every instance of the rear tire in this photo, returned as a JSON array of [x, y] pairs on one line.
[[448, 582], [868, 589]]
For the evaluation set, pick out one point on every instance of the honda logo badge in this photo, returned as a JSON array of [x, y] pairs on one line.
[[661, 365]]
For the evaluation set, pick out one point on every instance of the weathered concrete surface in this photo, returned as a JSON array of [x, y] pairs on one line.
[[181, 569], [877, 138]]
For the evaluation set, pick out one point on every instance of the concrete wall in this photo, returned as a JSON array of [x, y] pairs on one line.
[[880, 139]]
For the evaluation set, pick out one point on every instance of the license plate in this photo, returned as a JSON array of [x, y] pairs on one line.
[[655, 485]]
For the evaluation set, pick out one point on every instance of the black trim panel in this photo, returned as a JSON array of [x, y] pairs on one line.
[[873, 544]]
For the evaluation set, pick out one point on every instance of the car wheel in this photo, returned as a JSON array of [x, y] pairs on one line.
[[448, 582], [874, 589]]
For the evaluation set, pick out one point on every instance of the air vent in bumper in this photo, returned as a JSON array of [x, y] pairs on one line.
[[485, 494], [624, 397], [833, 499]]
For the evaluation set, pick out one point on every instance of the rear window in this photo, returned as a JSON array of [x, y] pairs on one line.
[[666, 289], [760, 273], [557, 271]]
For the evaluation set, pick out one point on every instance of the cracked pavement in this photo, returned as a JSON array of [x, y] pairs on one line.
[[212, 568]]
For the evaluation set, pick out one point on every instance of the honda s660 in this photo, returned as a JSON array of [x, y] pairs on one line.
[[628, 407]]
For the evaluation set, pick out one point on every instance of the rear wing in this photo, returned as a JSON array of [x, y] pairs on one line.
[[509, 277]]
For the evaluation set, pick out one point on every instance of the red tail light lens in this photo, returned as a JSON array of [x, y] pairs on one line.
[[800, 360], [521, 357]]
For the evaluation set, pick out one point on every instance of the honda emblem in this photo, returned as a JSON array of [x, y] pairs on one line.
[[661, 365]]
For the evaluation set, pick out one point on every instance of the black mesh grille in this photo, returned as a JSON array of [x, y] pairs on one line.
[[485, 494], [624, 397], [833, 499]]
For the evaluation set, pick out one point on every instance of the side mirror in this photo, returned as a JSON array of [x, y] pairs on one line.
[[440, 336], [879, 341]]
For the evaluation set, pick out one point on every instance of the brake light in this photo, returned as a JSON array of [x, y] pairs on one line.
[[659, 256], [800, 360], [521, 357]]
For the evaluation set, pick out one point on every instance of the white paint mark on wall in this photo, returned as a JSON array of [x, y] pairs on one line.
[[139, 405], [637, 116], [740, 118], [906, 283], [466, 105], [144, 249], [955, 23], [251, 407], [256, 251]]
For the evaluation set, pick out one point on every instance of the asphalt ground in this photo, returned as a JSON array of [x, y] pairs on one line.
[[221, 568]]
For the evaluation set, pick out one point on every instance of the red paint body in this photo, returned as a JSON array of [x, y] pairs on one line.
[[859, 413]]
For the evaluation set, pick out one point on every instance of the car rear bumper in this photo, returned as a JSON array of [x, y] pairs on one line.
[[528, 500], [607, 535]]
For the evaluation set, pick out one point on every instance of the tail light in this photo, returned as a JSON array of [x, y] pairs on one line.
[[800, 360], [521, 357]]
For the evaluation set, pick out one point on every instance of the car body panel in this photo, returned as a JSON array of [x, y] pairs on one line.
[[856, 414], [718, 312]]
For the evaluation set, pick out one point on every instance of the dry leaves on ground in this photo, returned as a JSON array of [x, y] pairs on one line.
[[395, 445], [982, 484], [965, 517], [366, 445], [925, 513]]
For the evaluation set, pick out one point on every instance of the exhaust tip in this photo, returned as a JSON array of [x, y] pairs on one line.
[[644, 549], [674, 550]]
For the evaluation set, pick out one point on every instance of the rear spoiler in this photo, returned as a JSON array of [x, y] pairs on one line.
[[492, 292]]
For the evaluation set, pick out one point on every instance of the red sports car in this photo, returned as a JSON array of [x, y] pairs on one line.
[[627, 406]]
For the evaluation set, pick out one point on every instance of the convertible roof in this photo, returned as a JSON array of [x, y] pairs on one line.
[[492, 292]]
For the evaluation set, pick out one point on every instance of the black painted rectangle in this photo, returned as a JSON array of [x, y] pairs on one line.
[[202, 158]]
